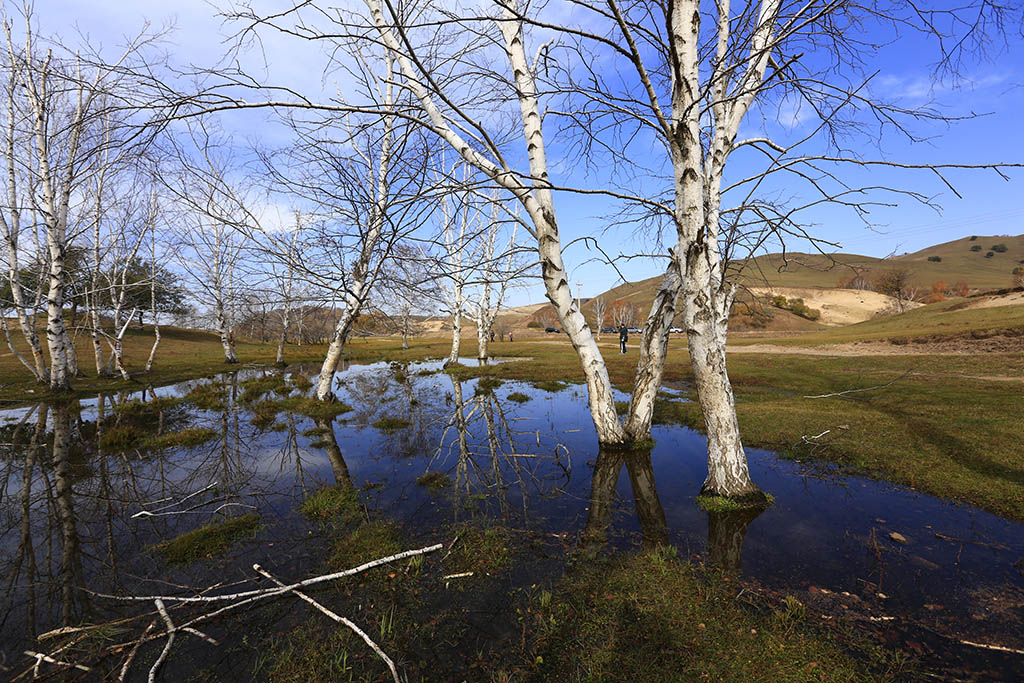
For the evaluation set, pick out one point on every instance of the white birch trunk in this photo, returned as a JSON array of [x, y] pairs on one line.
[[362, 275]]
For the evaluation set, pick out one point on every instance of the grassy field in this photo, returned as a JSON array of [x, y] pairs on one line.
[[948, 425], [183, 354]]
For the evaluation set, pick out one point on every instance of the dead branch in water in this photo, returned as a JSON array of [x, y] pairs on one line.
[[235, 601]]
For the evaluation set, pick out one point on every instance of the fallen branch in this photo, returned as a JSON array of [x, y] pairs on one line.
[[269, 592], [997, 648], [857, 391], [338, 618], [40, 657]]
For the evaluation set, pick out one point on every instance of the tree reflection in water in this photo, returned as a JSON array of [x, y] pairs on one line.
[[726, 531], [645, 496]]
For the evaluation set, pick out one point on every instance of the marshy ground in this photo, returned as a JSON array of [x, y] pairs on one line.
[[893, 548]]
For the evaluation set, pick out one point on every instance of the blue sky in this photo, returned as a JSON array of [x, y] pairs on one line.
[[990, 205]]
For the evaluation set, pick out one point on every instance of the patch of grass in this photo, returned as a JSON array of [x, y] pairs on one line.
[[723, 504], [300, 382], [212, 539], [207, 396], [191, 436], [137, 408], [369, 541], [254, 388], [481, 551], [487, 385], [332, 503], [549, 385], [264, 413], [311, 407], [518, 397], [434, 480], [621, 407], [123, 437], [389, 425], [649, 617]]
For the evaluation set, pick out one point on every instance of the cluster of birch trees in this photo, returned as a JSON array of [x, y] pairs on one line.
[[452, 123], [675, 111]]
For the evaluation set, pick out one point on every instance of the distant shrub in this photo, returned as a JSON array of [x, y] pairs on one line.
[[1001, 248], [959, 289], [1017, 271], [533, 324], [796, 306], [934, 298], [976, 247], [990, 254], [935, 259], [973, 237]]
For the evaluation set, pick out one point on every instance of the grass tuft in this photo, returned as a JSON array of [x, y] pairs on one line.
[[332, 503], [389, 425], [518, 397], [212, 539], [434, 481]]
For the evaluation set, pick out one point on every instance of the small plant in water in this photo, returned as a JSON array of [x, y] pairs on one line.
[[550, 385], [434, 480], [333, 503], [212, 539], [390, 424], [518, 397], [487, 385]]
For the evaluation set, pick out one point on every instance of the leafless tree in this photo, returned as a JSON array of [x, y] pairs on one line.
[[600, 308]]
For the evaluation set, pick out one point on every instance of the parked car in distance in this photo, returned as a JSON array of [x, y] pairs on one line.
[[634, 330], [609, 330], [552, 329], [676, 329]]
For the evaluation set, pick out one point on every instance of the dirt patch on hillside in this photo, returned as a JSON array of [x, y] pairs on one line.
[[837, 306], [994, 300], [1008, 340]]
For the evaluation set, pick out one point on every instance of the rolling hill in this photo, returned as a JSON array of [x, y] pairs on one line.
[[816, 278]]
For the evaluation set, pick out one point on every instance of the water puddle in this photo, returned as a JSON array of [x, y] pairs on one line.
[[89, 490]]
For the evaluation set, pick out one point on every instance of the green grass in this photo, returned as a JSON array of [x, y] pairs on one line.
[[648, 617], [369, 541], [435, 481], [183, 354], [487, 385], [481, 551], [389, 425], [137, 408], [518, 397], [333, 504], [206, 541], [311, 407], [191, 436]]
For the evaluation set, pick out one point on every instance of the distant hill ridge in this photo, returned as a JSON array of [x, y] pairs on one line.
[[984, 262]]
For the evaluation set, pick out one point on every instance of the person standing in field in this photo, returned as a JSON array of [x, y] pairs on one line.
[[623, 338]]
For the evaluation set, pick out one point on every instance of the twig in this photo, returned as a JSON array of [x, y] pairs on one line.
[[456, 576], [998, 648], [131, 655], [277, 591], [40, 657], [167, 646], [996, 546], [856, 391], [338, 618]]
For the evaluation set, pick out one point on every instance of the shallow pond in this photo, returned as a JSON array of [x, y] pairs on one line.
[[90, 489]]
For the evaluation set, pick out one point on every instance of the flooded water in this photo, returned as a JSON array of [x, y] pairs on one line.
[[80, 512]]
